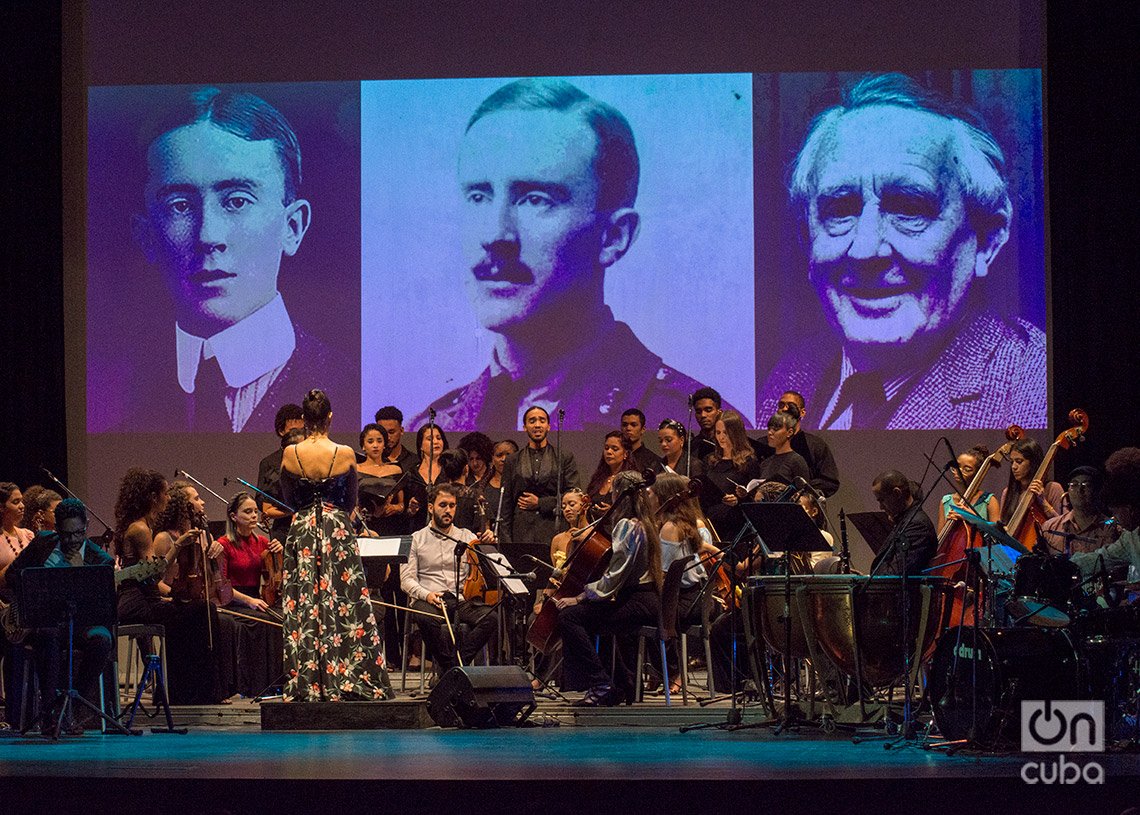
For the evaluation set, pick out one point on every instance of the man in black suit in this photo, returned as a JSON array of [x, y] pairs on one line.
[[287, 420]]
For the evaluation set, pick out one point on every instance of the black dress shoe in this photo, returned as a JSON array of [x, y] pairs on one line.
[[600, 696]]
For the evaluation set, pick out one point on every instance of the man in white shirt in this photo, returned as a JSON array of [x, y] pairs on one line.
[[430, 581], [222, 207]]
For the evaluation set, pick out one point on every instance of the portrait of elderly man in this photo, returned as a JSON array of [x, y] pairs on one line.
[[902, 199], [549, 177], [220, 208]]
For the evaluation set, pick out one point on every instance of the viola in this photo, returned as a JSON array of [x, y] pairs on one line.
[[1028, 516], [957, 536]]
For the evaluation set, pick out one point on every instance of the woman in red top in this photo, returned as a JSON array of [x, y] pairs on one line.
[[243, 546]]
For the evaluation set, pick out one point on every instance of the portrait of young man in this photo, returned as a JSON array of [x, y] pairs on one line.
[[222, 215], [924, 257], [562, 289]]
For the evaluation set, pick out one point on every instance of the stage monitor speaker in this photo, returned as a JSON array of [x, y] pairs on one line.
[[482, 697]]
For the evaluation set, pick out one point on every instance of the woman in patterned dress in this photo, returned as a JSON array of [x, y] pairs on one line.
[[332, 647]]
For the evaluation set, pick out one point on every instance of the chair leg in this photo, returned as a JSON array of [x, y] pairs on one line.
[[162, 662], [665, 673], [404, 659]]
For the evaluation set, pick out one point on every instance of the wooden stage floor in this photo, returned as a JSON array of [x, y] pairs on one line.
[[632, 760]]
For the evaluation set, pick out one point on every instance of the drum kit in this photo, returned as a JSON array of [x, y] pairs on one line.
[[1053, 639]]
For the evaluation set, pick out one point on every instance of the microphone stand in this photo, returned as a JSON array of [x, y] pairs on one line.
[[109, 531], [431, 446], [689, 441], [558, 464]]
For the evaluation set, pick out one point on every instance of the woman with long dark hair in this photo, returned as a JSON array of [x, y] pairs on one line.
[[1025, 457], [617, 456], [728, 470], [625, 598], [985, 505], [378, 476], [332, 646]]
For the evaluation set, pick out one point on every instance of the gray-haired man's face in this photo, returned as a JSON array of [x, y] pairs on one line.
[[892, 254]]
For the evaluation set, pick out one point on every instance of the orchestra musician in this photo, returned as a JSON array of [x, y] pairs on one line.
[[1083, 527], [67, 546], [1122, 497], [15, 537], [912, 541], [986, 504], [433, 580], [531, 480], [192, 676], [39, 509], [626, 597], [1025, 458]]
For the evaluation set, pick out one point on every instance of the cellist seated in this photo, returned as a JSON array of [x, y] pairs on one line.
[[430, 580]]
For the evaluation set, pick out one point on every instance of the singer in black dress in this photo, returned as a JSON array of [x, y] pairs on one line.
[[332, 646]]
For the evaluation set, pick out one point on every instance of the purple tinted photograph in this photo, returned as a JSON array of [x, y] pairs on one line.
[[223, 254], [901, 260]]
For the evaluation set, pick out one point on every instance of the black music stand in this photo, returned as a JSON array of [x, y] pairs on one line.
[[785, 527], [49, 597]]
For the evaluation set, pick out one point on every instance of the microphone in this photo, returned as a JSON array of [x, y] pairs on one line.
[[539, 562], [561, 414], [805, 485], [431, 415], [518, 576], [690, 400], [953, 463]]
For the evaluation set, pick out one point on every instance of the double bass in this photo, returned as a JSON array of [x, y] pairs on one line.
[[1027, 517], [957, 536]]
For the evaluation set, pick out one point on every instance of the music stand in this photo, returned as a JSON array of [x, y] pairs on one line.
[[875, 527], [78, 595], [785, 527]]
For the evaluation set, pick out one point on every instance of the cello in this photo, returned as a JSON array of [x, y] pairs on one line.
[[585, 563], [475, 586], [957, 536], [1027, 517]]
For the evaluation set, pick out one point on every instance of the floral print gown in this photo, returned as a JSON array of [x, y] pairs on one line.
[[332, 645]]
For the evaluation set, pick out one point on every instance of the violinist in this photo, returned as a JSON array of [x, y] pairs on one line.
[[986, 505], [429, 578], [1025, 458], [260, 648], [626, 597], [192, 675], [242, 547]]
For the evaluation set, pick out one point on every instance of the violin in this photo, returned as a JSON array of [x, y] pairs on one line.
[[1028, 516], [722, 588], [957, 536], [199, 577], [272, 567]]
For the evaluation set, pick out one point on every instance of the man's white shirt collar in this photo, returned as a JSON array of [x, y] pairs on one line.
[[249, 349]]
